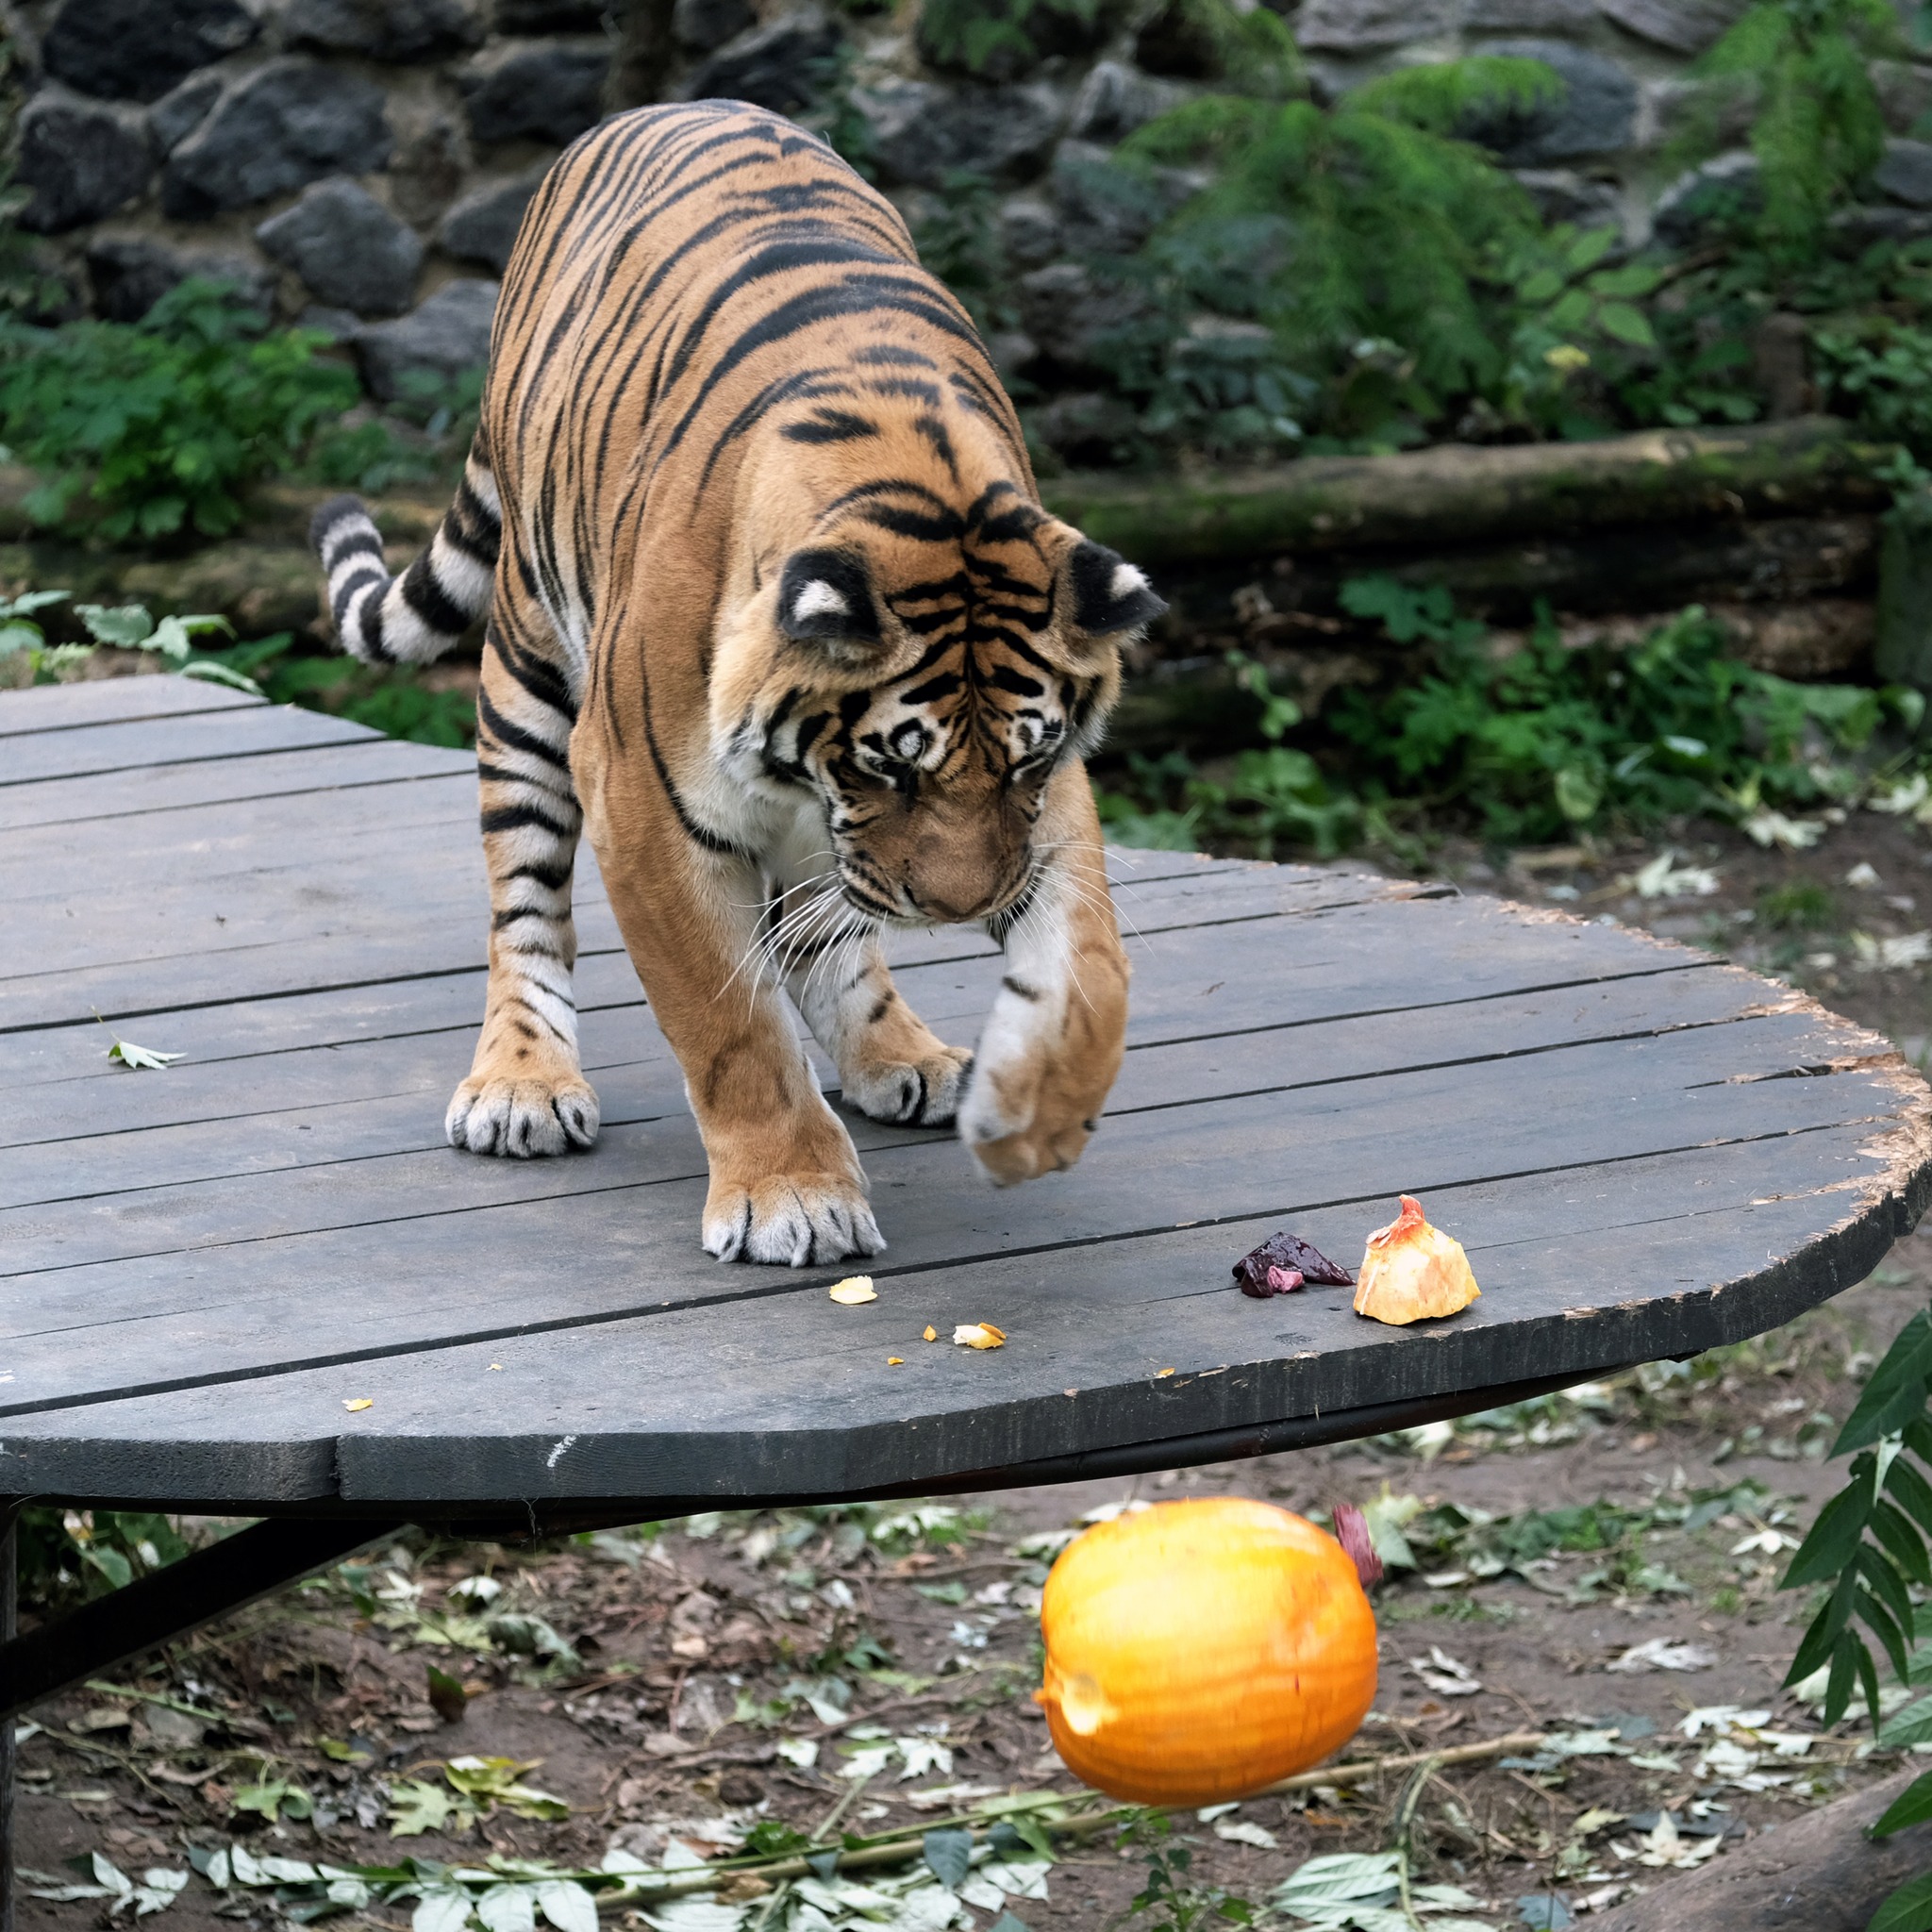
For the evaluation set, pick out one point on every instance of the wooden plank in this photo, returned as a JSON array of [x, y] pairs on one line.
[[243, 731], [63, 803], [783, 1393], [420, 1246], [356, 1102], [112, 701]]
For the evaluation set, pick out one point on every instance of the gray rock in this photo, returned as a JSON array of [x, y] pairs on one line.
[[129, 274], [535, 89], [1904, 93], [448, 335], [1071, 312], [483, 226], [1906, 173], [1714, 195], [1685, 27], [349, 250], [1010, 350], [338, 325], [704, 24], [80, 160], [391, 30], [1561, 194], [1088, 426], [551, 16], [922, 132], [1362, 27], [426, 170], [178, 114], [1115, 99], [136, 50], [1863, 225], [1029, 231], [1107, 210], [276, 129], [781, 66], [1595, 115], [1531, 17]]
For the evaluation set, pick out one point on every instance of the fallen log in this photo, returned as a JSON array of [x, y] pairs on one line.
[[1816, 1873], [1458, 494]]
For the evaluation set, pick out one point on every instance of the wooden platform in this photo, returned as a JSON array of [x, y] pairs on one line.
[[1645, 1152]]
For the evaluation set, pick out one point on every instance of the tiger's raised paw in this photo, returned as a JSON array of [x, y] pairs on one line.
[[920, 1093], [797, 1220], [489, 1114]]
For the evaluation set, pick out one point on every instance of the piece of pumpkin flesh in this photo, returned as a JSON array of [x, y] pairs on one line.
[[1412, 1272]]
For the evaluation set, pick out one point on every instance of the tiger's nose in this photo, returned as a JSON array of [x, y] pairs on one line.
[[949, 906]]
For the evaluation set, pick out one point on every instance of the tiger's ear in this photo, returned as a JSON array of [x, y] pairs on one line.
[[824, 597], [1107, 595]]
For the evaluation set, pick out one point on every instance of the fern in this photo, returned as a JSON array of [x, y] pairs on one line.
[[1364, 223], [1816, 130]]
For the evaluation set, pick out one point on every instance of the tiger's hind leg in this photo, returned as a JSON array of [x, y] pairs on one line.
[[892, 1066], [527, 1094]]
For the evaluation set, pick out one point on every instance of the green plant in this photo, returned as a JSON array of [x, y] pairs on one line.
[[1170, 1898], [126, 627], [1001, 40], [160, 424], [1366, 237], [1870, 1545], [1882, 373], [1816, 129], [68, 1554], [1803, 906]]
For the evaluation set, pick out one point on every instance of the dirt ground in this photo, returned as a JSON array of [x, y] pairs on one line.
[[719, 1666]]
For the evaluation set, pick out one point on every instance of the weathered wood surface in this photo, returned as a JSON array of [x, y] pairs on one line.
[[1645, 1152]]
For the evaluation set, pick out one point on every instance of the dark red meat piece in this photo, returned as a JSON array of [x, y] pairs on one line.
[[1287, 1254]]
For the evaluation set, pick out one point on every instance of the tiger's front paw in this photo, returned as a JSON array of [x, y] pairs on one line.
[[917, 1093], [532, 1115], [1021, 1127], [798, 1220]]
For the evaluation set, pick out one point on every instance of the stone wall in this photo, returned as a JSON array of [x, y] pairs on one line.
[[362, 164]]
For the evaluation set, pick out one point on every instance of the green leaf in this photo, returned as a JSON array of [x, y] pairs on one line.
[[210, 672], [949, 1856], [1878, 1617], [567, 1905], [1898, 1382], [126, 625], [1833, 1539], [1912, 1805], [128, 1055], [1590, 247], [1913, 1491], [1626, 324], [443, 1909], [1910, 1726], [1845, 1656], [1903, 1543], [1541, 287], [1907, 1910], [415, 1808]]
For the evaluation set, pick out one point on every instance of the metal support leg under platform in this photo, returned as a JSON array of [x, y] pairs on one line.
[[209, 1583]]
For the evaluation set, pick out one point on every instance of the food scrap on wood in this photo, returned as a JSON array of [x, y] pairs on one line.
[[1412, 1272], [852, 1290], [1282, 1264]]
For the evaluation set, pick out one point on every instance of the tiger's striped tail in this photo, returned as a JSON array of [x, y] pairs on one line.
[[418, 616]]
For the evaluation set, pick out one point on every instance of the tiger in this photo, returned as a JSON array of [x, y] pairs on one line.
[[776, 615]]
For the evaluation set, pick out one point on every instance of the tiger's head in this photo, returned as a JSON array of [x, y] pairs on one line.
[[926, 662]]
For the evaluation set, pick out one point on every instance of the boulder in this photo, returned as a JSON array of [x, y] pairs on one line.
[[483, 226], [1366, 26], [426, 170], [922, 131], [349, 250], [182, 109], [1561, 194], [1071, 312], [444, 338], [1530, 17], [704, 24], [1685, 27], [1904, 93], [136, 50], [275, 129], [1029, 231], [1906, 173], [1115, 99], [1595, 114], [781, 66], [129, 274], [1107, 210], [80, 160], [1087, 426], [390, 30], [1178, 40], [550, 16], [1716, 193], [549, 91]]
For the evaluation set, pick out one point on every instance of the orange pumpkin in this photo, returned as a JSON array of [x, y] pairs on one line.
[[1200, 1650]]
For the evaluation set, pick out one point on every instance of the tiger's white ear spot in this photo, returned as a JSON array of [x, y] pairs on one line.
[[1124, 582], [819, 599]]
